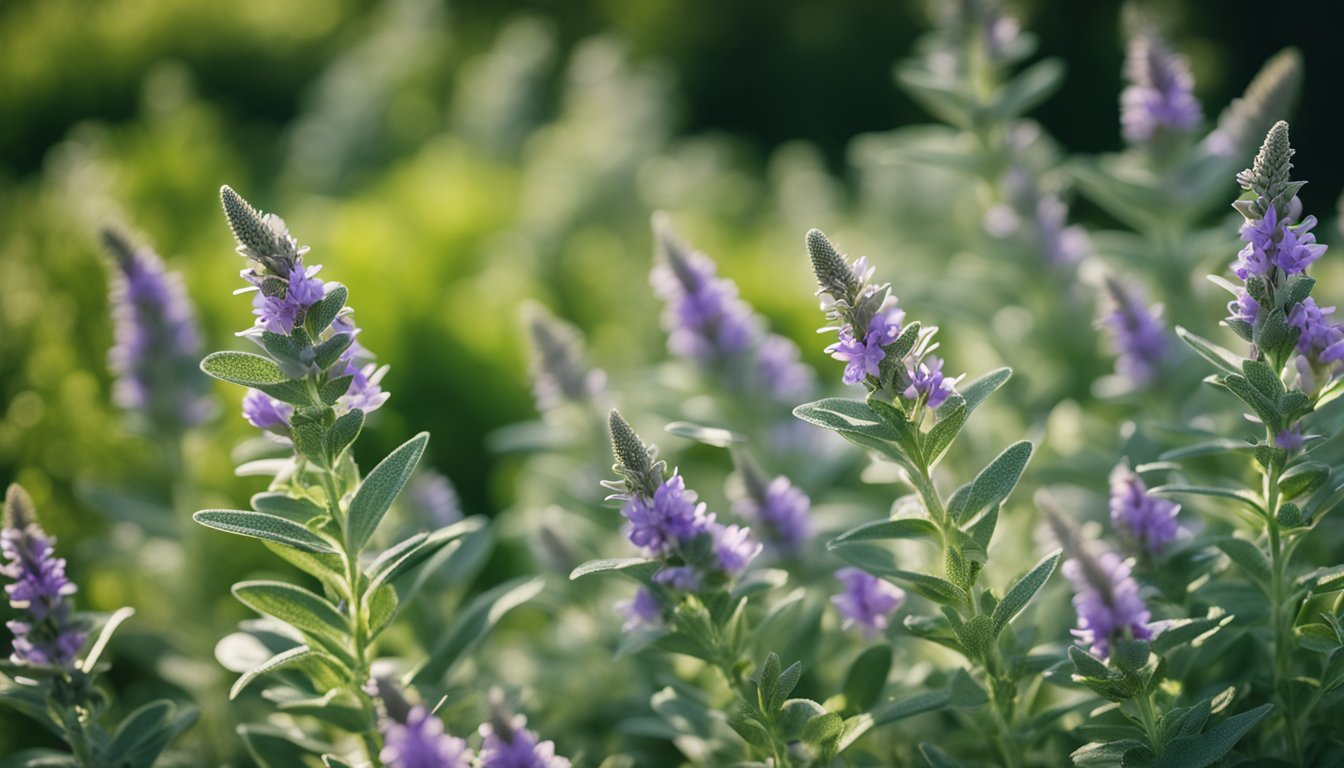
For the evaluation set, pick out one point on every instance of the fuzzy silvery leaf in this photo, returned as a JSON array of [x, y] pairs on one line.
[[952, 415], [994, 483], [1224, 360], [937, 758], [378, 490], [243, 368], [470, 625], [146, 732], [880, 561], [1210, 746], [867, 678], [273, 746], [890, 712], [1021, 593], [903, 528], [262, 526]]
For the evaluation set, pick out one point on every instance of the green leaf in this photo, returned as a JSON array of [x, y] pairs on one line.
[[1105, 755], [258, 525], [275, 747], [329, 351], [719, 438], [1322, 580], [1023, 591], [382, 606], [1208, 747], [953, 414], [379, 489], [1263, 378], [296, 606], [292, 392], [320, 315], [1249, 557], [409, 553], [903, 528], [298, 656], [243, 368], [1267, 410], [289, 507], [767, 680], [824, 733], [343, 433], [104, 637], [333, 761], [1207, 447], [638, 568], [867, 677], [1302, 479], [470, 625], [788, 680], [1240, 496], [1224, 360], [334, 389], [1319, 638], [937, 757], [287, 349], [993, 484], [855, 421], [794, 715], [147, 731], [879, 561]]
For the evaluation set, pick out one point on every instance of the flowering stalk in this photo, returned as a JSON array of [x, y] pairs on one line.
[[311, 390], [911, 417], [48, 681], [1290, 368]]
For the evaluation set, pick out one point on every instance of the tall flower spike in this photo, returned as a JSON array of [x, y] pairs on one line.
[[157, 344], [261, 237], [559, 372], [834, 275], [507, 743], [1160, 97], [45, 634], [773, 505], [1106, 596], [1268, 98], [1148, 521], [1268, 176], [421, 742], [1138, 337], [634, 461], [705, 318]]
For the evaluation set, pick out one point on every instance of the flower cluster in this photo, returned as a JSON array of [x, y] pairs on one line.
[[667, 522], [46, 635], [560, 374], [421, 742], [1147, 520], [1159, 99], [778, 508], [867, 601], [1136, 333], [886, 353], [285, 291], [158, 345], [1274, 299], [507, 743], [709, 323]]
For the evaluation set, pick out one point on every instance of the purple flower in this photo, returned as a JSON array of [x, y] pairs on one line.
[[266, 413], [1139, 340], [365, 392], [734, 547], [682, 577], [1243, 308], [671, 518], [1290, 439], [781, 512], [643, 610], [705, 319], [1148, 520], [1315, 331], [422, 743], [1107, 600], [158, 346], [45, 635], [1298, 248], [926, 379], [861, 357], [511, 745], [781, 371], [282, 312], [1062, 245], [867, 601], [1260, 236], [1160, 97]]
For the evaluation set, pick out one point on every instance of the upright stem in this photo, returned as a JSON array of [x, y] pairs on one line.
[[1149, 722], [1281, 616]]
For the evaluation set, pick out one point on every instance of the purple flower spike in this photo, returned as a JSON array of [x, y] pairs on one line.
[[643, 610], [1148, 520], [1315, 331], [671, 518], [782, 513], [45, 634], [781, 370], [158, 345], [705, 319], [734, 547], [1139, 339], [867, 601], [422, 743], [511, 745], [1107, 600], [1160, 97]]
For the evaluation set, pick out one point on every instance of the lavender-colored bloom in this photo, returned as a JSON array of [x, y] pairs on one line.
[[1062, 245], [1290, 439], [1160, 97], [1139, 339], [1298, 248], [734, 547], [860, 356], [643, 610], [1148, 520], [781, 371], [926, 379], [434, 498], [560, 374], [266, 413], [511, 745], [157, 346], [867, 601], [1260, 236], [45, 635], [705, 319], [1107, 600], [781, 512], [1243, 307], [682, 577], [1315, 331], [422, 743], [365, 392], [672, 517]]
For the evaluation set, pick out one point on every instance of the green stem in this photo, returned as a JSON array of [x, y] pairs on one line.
[[1149, 717], [1281, 616]]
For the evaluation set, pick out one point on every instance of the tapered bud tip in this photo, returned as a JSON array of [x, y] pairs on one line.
[[117, 243], [833, 274], [626, 446], [19, 512], [246, 223], [670, 245]]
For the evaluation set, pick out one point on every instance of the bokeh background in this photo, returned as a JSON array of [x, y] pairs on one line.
[[448, 160]]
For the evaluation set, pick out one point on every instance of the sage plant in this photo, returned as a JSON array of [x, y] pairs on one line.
[[911, 416], [52, 674], [1287, 369], [311, 388]]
